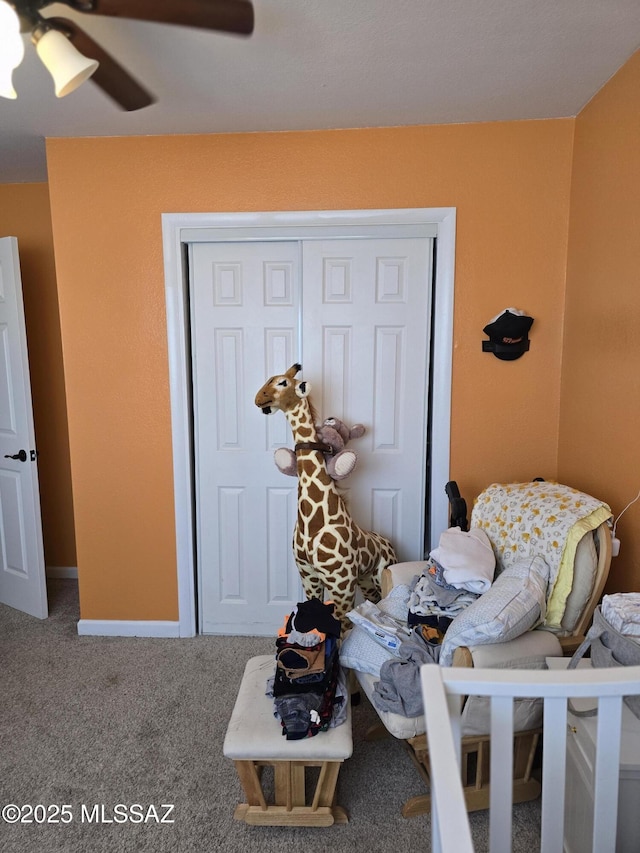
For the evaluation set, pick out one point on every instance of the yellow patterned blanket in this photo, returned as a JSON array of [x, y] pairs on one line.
[[545, 518]]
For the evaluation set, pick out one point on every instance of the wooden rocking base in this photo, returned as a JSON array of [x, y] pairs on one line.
[[290, 807], [475, 761], [475, 771]]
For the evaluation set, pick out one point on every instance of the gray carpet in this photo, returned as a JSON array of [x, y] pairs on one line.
[[91, 721]]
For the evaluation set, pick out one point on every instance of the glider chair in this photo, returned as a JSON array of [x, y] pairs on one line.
[[535, 525], [443, 690]]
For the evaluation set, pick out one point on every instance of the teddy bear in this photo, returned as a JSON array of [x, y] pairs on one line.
[[340, 462]]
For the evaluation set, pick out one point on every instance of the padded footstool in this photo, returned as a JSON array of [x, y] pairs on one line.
[[254, 739]]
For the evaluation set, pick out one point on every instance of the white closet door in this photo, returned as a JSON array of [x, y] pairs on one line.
[[360, 309], [366, 310], [244, 316]]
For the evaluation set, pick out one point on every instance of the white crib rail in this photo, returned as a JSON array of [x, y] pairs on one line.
[[442, 688]]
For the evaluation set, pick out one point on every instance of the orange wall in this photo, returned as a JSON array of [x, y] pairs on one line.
[[510, 183], [599, 449], [25, 214]]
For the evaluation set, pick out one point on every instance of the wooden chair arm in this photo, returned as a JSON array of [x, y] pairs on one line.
[[570, 644], [399, 573], [462, 657]]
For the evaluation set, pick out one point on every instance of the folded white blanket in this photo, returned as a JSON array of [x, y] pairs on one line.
[[622, 612], [467, 559]]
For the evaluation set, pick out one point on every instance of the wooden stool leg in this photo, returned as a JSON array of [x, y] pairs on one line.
[[325, 795], [326, 787], [250, 782]]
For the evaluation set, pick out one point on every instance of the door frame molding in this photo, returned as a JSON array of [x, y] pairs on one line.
[[179, 229]]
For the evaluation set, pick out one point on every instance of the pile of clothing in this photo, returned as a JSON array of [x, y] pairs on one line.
[[622, 611], [308, 688], [457, 572]]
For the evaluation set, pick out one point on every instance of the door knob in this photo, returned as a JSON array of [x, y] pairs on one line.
[[21, 455]]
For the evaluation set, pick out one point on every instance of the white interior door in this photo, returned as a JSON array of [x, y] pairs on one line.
[[365, 321], [356, 314], [245, 327], [22, 572]]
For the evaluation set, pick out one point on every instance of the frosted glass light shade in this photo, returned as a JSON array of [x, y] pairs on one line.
[[6, 83], [68, 67], [11, 49]]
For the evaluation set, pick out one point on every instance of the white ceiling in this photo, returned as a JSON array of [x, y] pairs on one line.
[[314, 64]]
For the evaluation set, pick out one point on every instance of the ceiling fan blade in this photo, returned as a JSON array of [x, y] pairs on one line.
[[232, 16], [110, 76]]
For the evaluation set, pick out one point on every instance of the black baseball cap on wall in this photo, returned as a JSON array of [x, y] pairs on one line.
[[508, 335]]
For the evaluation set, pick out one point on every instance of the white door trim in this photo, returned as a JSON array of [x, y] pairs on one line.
[[180, 228]]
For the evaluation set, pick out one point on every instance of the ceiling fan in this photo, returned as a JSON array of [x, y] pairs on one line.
[[72, 56]]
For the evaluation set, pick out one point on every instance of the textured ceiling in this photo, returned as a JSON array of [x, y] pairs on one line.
[[314, 64]]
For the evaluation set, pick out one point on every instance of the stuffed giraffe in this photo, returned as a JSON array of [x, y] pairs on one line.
[[332, 553]]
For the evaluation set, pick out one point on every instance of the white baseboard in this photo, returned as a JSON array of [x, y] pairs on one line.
[[122, 628], [62, 572]]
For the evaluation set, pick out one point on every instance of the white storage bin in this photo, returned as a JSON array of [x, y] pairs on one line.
[[580, 763]]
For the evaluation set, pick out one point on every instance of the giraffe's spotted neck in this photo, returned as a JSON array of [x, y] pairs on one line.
[[311, 463], [301, 421]]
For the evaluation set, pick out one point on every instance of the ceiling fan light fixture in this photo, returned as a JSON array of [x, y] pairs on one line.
[[11, 49], [68, 67]]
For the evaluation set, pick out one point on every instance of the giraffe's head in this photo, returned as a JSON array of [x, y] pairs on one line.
[[282, 393]]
